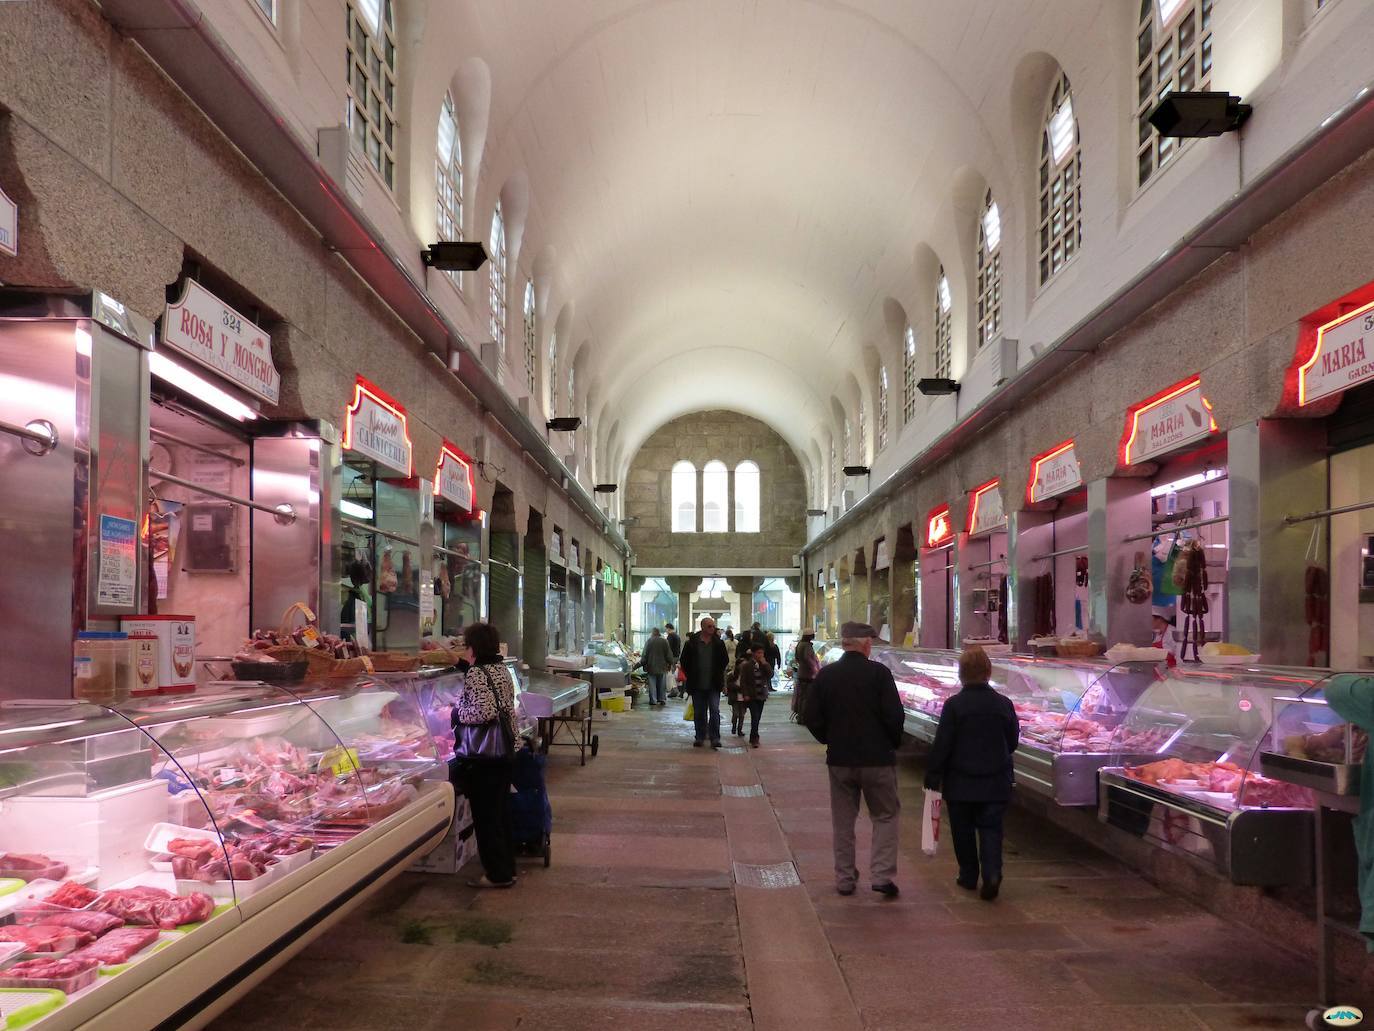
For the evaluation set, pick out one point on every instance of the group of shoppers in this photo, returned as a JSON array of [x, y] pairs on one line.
[[855, 711]]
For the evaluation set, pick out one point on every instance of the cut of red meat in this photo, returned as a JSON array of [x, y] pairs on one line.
[[93, 923], [71, 896], [48, 968], [118, 946], [155, 907], [45, 937]]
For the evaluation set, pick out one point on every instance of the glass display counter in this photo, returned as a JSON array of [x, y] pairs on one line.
[[1202, 791], [154, 853], [611, 655], [1312, 746]]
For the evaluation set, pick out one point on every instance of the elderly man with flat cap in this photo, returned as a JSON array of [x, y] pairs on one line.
[[856, 713]]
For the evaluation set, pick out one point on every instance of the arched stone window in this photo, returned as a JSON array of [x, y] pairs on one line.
[[371, 84], [1173, 52], [684, 497], [497, 277], [715, 496], [909, 375], [944, 325], [531, 341], [1061, 167], [989, 271], [882, 407], [747, 484]]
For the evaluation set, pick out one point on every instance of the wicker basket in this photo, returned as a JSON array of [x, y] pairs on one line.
[[1078, 649], [440, 657], [394, 662], [319, 663]]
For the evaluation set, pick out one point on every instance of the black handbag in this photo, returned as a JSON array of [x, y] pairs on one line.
[[484, 741]]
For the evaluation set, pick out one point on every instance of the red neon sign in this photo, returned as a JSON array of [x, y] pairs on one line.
[[1343, 365], [1054, 472], [453, 477], [375, 425], [939, 528], [975, 497], [1170, 437]]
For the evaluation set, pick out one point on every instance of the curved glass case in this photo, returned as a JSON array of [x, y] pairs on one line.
[[610, 655], [136, 834]]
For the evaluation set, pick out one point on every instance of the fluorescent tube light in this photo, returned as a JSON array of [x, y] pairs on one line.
[[198, 387], [352, 508], [1196, 480]]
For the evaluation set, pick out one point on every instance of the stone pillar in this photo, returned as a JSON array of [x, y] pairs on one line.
[[1118, 507], [683, 586], [745, 587]]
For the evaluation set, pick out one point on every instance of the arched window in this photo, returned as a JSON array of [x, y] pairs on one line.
[[497, 264], [747, 498], [834, 475], [572, 391], [908, 376], [448, 177], [531, 341], [863, 432], [371, 84], [1061, 167], [715, 491], [847, 448], [944, 325], [684, 497], [1173, 53], [989, 271], [553, 374], [882, 407]]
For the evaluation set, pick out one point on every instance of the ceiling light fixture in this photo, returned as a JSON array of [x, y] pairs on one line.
[[455, 255], [935, 386], [1188, 482], [815, 511], [198, 387], [1187, 116]]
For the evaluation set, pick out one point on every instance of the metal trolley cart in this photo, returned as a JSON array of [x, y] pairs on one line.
[[562, 710]]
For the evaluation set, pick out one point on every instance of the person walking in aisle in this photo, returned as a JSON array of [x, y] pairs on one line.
[[804, 658], [657, 661], [856, 713], [752, 679], [970, 764], [773, 654], [675, 644], [704, 661], [487, 697]]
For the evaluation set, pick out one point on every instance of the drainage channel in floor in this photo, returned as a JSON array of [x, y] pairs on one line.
[[742, 790], [729, 750], [776, 875]]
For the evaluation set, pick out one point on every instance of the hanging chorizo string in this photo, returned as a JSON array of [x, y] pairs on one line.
[[1193, 599]]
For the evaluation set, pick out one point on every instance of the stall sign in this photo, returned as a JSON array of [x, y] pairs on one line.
[[453, 477], [9, 226], [575, 556], [556, 542], [882, 556], [1170, 420], [375, 426], [985, 510], [1054, 473], [939, 527], [209, 332], [1342, 357]]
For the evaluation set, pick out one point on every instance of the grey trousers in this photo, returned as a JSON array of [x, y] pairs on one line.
[[878, 787]]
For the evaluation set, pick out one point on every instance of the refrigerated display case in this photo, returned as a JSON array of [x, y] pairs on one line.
[[610, 655], [1312, 746], [194, 844], [1202, 792]]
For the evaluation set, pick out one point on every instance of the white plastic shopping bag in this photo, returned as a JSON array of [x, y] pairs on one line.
[[930, 823]]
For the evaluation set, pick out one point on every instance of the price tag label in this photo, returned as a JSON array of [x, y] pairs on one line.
[[340, 761]]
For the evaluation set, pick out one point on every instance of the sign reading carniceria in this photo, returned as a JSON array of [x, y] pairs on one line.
[[205, 329], [375, 425]]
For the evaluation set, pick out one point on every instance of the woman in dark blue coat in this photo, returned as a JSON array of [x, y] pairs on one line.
[[970, 764]]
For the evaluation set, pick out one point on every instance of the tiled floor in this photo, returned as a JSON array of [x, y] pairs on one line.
[[640, 924]]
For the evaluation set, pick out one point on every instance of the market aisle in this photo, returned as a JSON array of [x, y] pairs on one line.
[[668, 906]]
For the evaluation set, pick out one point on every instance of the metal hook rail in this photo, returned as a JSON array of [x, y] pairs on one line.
[[1001, 560], [364, 528], [39, 435], [1166, 531], [283, 513], [1325, 512], [153, 431], [1056, 554]]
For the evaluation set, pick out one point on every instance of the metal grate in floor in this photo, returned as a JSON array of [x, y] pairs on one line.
[[734, 751], [742, 790], [777, 875]]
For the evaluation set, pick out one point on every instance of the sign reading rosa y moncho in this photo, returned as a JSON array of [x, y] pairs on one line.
[[1054, 473], [375, 426], [453, 477], [1344, 356], [205, 329], [1167, 422]]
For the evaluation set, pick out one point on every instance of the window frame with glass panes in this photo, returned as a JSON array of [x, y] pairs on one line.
[[1173, 54], [944, 326], [1060, 227], [448, 180], [882, 406], [989, 272], [497, 283], [909, 375], [531, 340], [370, 85]]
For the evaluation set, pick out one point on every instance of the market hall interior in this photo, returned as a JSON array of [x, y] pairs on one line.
[[1035, 327]]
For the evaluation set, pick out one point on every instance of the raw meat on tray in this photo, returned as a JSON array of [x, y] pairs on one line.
[[31, 867], [71, 896], [118, 946], [66, 975], [91, 923], [45, 937], [155, 907]]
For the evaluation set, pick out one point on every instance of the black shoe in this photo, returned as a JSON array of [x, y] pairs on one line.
[[715, 744], [967, 885], [990, 889], [845, 891], [754, 742], [698, 743], [888, 890]]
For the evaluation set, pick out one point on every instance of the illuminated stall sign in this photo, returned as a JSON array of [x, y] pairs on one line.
[[939, 527], [1344, 356], [1170, 420], [1054, 473], [9, 225], [209, 332], [375, 426], [985, 511], [453, 477]]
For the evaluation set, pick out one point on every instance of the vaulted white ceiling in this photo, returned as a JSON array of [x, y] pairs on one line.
[[734, 187]]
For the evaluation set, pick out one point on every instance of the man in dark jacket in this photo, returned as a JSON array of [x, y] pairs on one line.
[[970, 764], [675, 645], [704, 660], [657, 661], [856, 713]]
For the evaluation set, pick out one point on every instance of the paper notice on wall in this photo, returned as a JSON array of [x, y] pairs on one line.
[[427, 607], [118, 572], [361, 632], [211, 471]]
